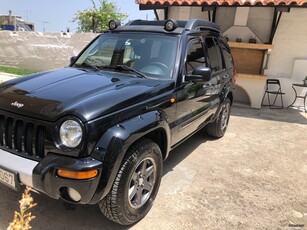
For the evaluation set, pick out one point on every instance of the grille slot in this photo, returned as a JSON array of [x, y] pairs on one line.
[[8, 132], [18, 135], [39, 145], [29, 139], [22, 137], [1, 129]]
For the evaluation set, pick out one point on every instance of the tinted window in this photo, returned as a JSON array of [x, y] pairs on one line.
[[214, 54], [227, 55], [195, 56]]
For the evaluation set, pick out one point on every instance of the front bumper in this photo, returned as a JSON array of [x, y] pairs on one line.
[[24, 167], [42, 175]]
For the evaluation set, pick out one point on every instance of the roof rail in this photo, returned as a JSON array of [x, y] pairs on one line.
[[196, 24], [193, 24]]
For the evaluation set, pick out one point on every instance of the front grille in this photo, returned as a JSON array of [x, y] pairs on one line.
[[22, 137]]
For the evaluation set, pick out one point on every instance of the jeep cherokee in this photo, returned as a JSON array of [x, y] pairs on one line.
[[98, 130]]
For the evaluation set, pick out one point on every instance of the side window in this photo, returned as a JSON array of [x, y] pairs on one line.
[[227, 55], [195, 56], [214, 54]]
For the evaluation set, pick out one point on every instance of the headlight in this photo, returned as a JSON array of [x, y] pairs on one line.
[[71, 133]]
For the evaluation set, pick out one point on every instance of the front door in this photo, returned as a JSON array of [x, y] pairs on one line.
[[194, 99]]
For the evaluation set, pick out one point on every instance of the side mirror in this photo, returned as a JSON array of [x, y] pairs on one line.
[[73, 59], [199, 74]]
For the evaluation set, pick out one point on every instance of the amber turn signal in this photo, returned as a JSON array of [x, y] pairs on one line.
[[172, 100], [77, 175]]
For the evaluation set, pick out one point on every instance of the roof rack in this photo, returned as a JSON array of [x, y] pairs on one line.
[[193, 24], [196, 24]]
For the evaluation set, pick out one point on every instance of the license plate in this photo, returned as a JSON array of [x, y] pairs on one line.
[[8, 178]]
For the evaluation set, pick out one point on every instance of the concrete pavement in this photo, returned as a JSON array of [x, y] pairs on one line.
[[6, 76], [252, 178]]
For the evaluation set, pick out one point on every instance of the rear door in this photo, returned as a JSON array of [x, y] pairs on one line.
[[216, 62], [228, 60]]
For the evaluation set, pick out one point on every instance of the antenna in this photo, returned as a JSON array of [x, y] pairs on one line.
[[44, 22]]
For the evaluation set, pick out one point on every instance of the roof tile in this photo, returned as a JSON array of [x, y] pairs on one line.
[[223, 2]]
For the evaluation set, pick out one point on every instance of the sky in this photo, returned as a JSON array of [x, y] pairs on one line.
[[56, 15]]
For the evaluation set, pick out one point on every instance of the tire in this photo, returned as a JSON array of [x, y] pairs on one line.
[[218, 127], [136, 184]]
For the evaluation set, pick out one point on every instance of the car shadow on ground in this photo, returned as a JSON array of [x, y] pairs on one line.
[[184, 150], [57, 214], [265, 113]]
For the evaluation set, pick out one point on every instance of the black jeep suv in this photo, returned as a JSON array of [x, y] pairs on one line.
[[99, 130]]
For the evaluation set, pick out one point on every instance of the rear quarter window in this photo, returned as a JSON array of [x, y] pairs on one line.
[[214, 54], [227, 55]]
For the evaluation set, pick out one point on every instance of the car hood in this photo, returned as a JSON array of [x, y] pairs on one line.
[[77, 92]]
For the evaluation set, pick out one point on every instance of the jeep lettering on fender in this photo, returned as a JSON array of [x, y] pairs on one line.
[[98, 131]]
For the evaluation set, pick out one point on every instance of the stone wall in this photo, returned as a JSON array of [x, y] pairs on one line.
[[40, 51]]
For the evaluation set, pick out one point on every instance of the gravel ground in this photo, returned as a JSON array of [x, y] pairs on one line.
[[252, 178]]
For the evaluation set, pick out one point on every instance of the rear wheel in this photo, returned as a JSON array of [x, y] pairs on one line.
[[136, 184], [219, 126]]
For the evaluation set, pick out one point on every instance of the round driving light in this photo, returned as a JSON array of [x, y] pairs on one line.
[[71, 133], [113, 24], [73, 194], [170, 25]]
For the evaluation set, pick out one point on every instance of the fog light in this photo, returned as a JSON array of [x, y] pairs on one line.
[[170, 25], [113, 24], [73, 194]]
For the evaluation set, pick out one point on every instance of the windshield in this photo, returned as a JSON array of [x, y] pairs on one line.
[[151, 54]]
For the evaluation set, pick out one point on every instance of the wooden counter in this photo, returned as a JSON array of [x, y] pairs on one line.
[[254, 46], [249, 58], [251, 76]]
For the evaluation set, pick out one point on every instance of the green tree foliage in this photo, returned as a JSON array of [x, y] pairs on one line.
[[97, 19], [1, 23]]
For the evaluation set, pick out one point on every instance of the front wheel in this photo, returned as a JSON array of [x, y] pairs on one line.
[[136, 184], [218, 127]]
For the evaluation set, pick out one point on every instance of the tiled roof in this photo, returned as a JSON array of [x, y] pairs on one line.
[[224, 2]]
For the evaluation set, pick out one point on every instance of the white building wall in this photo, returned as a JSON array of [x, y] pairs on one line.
[[177, 12], [260, 22], [225, 17], [290, 43], [196, 13], [186, 13], [288, 61], [40, 51]]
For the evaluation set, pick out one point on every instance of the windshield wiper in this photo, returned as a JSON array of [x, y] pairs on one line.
[[86, 64], [126, 68]]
